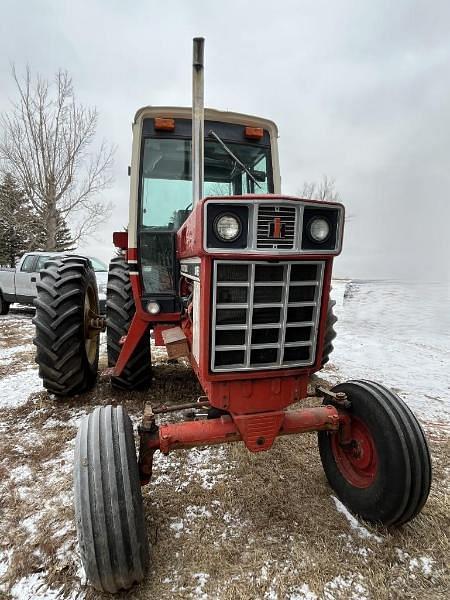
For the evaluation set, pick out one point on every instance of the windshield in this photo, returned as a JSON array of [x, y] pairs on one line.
[[98, 265], [166, 185]]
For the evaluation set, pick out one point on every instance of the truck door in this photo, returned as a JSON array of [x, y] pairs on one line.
[[26, 279]]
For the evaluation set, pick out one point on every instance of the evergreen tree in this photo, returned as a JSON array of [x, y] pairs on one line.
[[63, 238], [64, 241], [16, 222], [21, 229]]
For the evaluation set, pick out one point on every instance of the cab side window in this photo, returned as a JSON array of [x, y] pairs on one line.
[[28, 264], [41, 262]]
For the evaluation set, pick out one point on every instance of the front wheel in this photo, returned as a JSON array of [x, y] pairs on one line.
[[108, 503], [384, 473]]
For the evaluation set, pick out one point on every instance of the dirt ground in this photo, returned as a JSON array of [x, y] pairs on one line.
[[222, 523]]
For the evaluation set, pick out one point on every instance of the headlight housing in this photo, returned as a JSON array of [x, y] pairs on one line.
[[319, 229], [153, 308], [227, 227]]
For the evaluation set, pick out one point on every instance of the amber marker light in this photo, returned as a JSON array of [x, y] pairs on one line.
[[162, 124], [254, 133]]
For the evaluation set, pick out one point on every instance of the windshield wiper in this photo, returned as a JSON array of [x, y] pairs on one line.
[[234, 157]]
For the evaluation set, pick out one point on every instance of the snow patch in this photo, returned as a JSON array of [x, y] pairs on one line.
[[354, 523], [423, 564], [394, 332], [16, 389], [178, 527], [34, 586], [197, 512], [7, 354], [351, 586], [202, 579], [20, 474], [5, 559], [302, 592], [204, 466]]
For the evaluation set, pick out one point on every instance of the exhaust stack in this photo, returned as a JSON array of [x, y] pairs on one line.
[[197, 120]]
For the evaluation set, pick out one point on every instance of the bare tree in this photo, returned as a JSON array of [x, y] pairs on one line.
[[45, 144], [322, 190]]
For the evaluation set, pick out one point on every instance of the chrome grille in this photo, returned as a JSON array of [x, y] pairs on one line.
[[276, 226], [265, 315]]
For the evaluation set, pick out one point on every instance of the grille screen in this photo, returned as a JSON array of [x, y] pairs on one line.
[[265, 316], [276, 226]]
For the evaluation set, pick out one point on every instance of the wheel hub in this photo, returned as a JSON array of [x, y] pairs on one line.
[[356, 459], [93, 324]]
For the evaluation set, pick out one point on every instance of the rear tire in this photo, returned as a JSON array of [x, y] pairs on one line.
[[120, 309], [385, 476], [4, 306], [66, 354], [330, 333], [109, 512]]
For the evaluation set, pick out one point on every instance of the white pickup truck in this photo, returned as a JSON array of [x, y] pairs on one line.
[[19, 284]]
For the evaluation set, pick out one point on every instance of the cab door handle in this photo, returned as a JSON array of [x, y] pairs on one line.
[[33, 279]]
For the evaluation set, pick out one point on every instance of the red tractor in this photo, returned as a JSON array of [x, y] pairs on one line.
[[236, 276]]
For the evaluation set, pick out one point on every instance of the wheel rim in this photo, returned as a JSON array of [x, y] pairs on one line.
[[358, 460], [91, 335]]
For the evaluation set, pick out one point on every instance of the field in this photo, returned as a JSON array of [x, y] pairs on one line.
[[223, 523]]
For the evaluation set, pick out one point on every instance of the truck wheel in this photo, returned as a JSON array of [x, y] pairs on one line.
[[384, 475], [109, 512], [330, 333], [67, 344], [120, 309], [4, 306]]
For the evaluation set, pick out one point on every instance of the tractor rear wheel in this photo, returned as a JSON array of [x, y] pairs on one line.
[[120, 309], [109, 511], [384, 474], [4, 306], [330, 333], [67, 340]]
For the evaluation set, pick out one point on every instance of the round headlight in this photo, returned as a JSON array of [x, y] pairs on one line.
[[153, 308], [227, 227], [319, 229]]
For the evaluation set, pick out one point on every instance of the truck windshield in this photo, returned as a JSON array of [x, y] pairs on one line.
[[166, 184]]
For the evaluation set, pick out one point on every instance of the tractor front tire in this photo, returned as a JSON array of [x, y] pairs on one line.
[[384, 474], [67, 349], [120, 309], [330, 333], [109, 511]]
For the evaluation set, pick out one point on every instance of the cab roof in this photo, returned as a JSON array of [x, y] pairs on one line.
[[211, 114]]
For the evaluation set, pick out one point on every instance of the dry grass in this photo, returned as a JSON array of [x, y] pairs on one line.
[[222, 523]]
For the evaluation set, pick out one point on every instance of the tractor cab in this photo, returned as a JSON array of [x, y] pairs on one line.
[[240, 158]]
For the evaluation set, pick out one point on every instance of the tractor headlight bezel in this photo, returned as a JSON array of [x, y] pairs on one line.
[[227, 227], [319, 229]]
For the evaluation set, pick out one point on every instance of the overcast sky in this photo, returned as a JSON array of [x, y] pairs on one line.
[[360, 91]]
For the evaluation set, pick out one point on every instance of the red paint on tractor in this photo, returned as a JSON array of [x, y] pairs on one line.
[[190, 243], [142, 320], [356, 456], [188, 434], [137, 329], [277, 227], [120, 239], [253, 399], [132, 254]]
